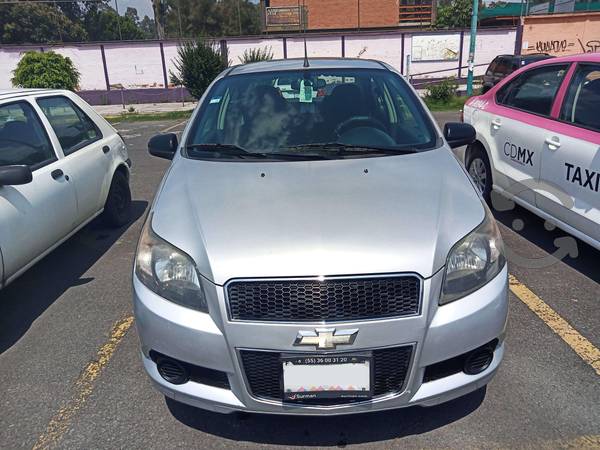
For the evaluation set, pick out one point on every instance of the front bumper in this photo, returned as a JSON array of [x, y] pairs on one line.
[[212, 341]]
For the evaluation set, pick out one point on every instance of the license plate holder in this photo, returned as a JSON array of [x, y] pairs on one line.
[[307, 377]]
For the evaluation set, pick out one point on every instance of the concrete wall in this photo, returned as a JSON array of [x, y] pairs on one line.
[[139, 65], [562, 34]]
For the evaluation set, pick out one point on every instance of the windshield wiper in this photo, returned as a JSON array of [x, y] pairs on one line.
[[226, 149], [236, 150], [348, 149]]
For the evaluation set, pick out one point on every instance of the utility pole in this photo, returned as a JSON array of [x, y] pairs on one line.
[[239, 16], [472, 47], [118, 19]]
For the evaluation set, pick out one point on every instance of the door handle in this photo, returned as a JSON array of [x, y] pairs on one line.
[[496, 123], [553, 142], [56, 174], [106, 149]]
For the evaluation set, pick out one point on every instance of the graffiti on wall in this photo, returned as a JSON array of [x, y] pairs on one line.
[[562, 35], [565, 46]]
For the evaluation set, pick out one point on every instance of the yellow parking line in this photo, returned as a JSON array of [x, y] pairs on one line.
[[583, 347], [59, 424]]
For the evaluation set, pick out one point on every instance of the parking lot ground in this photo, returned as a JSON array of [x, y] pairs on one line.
[[71, 379]]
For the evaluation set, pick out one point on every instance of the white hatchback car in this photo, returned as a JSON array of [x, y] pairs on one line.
[[538, 138], [61, 165]]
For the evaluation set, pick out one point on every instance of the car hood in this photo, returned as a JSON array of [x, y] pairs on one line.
[[245, 219]]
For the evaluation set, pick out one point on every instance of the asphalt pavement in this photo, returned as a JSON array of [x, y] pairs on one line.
[[71, 375]]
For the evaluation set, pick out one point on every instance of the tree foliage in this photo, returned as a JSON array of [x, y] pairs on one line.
[[197, 64], [47, 70], [454, 14], [256, 54]]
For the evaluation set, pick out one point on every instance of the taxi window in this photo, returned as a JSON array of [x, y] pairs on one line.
[[23, 139], [583, 97], [534, 90]]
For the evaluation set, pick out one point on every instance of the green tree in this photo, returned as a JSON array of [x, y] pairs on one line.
[[47, 70], [37, 23], [102, 24], [454, 14], [148, 28], [197, 64]]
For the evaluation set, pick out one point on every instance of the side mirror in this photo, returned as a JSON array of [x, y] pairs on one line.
[[163, 145], [458, 134], [14, 175]]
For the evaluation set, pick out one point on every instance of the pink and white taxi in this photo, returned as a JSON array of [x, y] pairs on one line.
[[538, 140]]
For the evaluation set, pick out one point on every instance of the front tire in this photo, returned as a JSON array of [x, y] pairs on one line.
[[480, 171], [117, 209]]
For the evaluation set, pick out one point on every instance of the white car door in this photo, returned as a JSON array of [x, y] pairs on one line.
[[37, 215], [85, 149], [571, 157], [518, 125]]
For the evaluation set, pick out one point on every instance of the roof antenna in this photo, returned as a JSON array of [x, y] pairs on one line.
[[302, 18]]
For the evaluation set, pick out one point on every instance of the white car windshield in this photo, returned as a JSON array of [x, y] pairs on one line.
[[332, 113]]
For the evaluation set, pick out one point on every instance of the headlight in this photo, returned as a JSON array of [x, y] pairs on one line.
[[473, 261], [168, 271]]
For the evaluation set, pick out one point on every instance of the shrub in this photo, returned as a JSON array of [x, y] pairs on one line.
[[443, 91], [256, 54], [197, 64], [45, 70]]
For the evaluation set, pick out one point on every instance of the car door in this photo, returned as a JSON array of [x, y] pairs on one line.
[[37, 215], [518, 125], [85, 150], [571, 156]]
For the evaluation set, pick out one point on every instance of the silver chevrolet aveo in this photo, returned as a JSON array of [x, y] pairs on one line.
[[316, 248]]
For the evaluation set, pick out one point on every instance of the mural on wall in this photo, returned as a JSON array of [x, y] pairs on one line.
[[560, 35], [431, 47]]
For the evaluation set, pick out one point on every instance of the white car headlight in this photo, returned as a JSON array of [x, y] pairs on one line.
[[167, 271], [473, 261]]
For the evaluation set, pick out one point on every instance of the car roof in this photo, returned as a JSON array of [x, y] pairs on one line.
[[6, 94], [314, 63]]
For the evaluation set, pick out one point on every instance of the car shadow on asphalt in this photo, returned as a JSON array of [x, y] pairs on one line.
[[533, 228], [24, 300], [327, 431]]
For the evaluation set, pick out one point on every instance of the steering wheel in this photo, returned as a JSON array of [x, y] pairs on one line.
[[358, 121]]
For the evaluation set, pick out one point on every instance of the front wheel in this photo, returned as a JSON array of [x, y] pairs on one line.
[[117, 210], [478, 166]]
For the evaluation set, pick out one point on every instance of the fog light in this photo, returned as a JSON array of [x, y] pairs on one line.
[[478, 360], [172, 370]]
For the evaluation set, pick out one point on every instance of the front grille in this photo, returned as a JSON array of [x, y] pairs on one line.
[[263, 371], [331, 299]]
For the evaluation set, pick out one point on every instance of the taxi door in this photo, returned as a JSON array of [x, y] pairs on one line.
[[519, 123], [571, 156]]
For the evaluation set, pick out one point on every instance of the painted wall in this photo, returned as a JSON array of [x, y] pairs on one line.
[[138, 65], [562, 34]]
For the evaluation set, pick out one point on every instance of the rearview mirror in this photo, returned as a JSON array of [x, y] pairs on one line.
[[458, 134], [163, 145], [15, 175]]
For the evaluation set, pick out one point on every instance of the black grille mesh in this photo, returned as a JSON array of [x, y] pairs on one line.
[[264, 371], [328, 300]]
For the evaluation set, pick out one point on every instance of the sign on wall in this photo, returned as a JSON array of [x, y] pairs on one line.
[[283, 17], [431, 47]]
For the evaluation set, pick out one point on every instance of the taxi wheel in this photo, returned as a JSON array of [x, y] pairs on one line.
[[478, 166], [117, 210]]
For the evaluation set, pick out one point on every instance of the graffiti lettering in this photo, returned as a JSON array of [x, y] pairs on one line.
[[551, 46], [589, 46]]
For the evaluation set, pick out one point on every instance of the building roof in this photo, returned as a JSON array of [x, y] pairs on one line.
[[298, 64]]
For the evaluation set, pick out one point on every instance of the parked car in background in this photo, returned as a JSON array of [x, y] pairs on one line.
[[538, 141], [61, 165], [503, 65], [318, 255]]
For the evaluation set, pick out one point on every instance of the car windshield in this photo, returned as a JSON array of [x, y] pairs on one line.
[[310, 114]]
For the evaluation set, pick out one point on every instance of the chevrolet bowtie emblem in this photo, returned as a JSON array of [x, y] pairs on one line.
[[326, 338]]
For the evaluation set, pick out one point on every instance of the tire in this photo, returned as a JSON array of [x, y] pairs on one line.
[[117, 209], [480, 171]]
